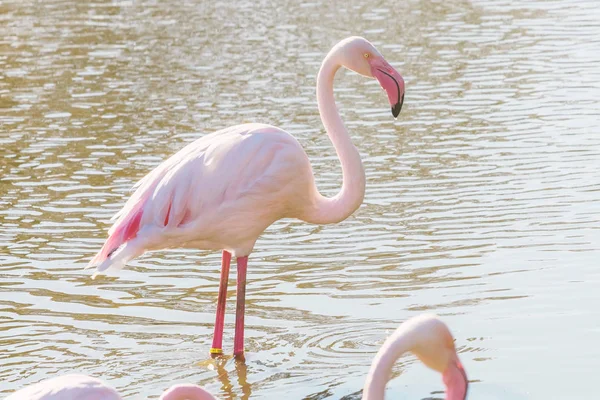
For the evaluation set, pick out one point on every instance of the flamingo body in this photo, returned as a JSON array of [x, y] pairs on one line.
[[67, 387], [218, 192]]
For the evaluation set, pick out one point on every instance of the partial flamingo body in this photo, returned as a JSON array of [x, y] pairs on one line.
[[223, 190], [83, 387], [428, 338]]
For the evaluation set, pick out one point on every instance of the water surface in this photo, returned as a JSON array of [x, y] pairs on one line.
[[482, 204]]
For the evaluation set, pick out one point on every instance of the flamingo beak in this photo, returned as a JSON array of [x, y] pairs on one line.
[[392, 82], [455, 379]]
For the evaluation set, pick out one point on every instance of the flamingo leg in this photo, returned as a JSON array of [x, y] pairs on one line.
[[217, 346], [238, 341]]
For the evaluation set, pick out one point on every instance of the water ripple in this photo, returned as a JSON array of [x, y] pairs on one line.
[[482, 199]]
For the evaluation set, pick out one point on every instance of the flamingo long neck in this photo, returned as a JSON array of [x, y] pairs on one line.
[[343, 204], [381, 368]]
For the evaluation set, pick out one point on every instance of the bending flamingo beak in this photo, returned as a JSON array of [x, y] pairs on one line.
[[456, 381], [391, 81]]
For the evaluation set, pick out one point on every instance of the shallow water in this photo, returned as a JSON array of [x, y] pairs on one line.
[[482, 204]]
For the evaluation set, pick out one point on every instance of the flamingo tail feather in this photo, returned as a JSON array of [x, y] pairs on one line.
[[120, 257], [120, 234]]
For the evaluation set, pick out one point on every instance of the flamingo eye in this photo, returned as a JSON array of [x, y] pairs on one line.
[[366, 55]]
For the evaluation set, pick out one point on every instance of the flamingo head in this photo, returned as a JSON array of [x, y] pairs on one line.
[[360, 56], [436, 350]]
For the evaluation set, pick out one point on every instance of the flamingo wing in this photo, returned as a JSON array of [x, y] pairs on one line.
[[178, 200]]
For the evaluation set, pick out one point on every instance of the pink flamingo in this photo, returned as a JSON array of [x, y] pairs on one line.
[[428, 338], [83, 387], [223, 190]]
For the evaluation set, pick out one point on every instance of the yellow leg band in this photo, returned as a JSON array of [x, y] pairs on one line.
[[216, 351]]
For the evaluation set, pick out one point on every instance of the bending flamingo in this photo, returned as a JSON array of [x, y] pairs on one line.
[[83, 387], [223, 190], [428, 338]]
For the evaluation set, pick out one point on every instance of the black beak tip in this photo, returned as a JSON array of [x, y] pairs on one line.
[[397, 107]]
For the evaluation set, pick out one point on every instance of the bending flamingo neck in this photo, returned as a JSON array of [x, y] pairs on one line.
[[341, 206], [381, 368]]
